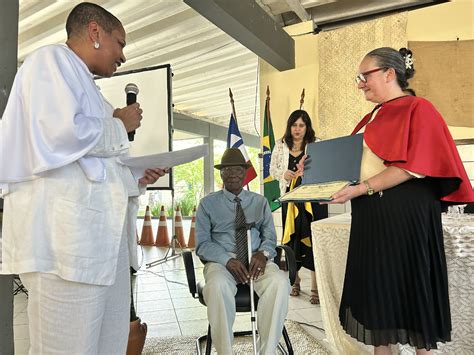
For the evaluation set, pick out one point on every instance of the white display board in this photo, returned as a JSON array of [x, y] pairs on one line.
[[154, 134]]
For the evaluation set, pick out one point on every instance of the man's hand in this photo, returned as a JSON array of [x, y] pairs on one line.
[[238, 270], [151, 175], [257, 265], [130, 115]]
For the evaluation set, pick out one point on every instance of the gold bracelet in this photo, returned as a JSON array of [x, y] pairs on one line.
[[370, 190]]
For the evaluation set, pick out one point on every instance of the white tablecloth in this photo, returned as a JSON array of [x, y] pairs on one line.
[[331, 240]]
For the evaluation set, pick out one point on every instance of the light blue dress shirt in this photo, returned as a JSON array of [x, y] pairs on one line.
[[215, 225]]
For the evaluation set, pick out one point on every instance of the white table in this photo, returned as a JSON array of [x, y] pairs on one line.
[[331, 240]]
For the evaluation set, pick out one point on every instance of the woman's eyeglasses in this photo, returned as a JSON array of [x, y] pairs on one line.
[[362, 77]]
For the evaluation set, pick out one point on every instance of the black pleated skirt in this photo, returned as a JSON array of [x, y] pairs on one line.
[[396, 285]]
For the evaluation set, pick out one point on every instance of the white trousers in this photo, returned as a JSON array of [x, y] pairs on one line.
[[273, 289], [75, 318]]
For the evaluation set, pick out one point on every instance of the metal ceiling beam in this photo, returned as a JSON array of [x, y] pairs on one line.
[[344, 12], [249, 24], [192, 125], [299, 10]]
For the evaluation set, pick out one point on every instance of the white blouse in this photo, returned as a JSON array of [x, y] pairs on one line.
[[279, 164], [69, 200]]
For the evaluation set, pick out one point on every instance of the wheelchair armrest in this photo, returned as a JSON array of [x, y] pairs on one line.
[[190, 274], [290, 261]]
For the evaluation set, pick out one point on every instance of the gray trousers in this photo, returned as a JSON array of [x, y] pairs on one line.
[[273, 289]]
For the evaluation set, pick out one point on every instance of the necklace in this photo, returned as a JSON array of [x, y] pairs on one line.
[[298, 148]]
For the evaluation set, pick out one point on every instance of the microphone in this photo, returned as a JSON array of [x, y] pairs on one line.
[[131, 90]]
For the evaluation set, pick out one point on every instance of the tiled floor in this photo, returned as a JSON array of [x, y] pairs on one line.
[[163, 301]]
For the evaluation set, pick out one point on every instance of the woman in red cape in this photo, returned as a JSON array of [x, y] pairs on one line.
[[396, 287]]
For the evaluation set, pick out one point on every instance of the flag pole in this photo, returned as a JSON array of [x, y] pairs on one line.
[[267, 106], [302, 100], [268, 97], [233, 106]]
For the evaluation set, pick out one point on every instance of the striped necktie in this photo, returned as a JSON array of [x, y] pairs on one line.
[[240, 234]]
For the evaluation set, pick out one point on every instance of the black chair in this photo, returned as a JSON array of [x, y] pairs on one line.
[[242, 298]]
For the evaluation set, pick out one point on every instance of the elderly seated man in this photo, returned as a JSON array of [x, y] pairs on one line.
[[222, 246]]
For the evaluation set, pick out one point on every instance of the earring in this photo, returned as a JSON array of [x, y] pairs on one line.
[[96, 45]]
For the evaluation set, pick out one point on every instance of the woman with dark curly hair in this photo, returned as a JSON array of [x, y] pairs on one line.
[[297, 217]]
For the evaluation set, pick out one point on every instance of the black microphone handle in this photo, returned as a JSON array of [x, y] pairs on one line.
[[131, 99]]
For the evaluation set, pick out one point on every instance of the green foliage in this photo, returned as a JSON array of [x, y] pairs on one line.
[[186, 206], [189, 185], [169, 212], [155, 210]]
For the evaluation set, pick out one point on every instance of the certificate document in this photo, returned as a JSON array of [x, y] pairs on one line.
[[331, 165], [314, 192]]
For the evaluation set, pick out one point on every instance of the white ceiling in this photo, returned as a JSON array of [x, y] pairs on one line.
[[205, 61]]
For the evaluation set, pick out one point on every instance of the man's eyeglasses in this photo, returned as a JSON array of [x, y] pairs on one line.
[[236, 170], [362, 77]]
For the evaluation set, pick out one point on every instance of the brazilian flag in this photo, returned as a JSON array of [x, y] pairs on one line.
[[271, 189]]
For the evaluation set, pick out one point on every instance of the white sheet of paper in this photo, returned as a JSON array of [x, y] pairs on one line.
[[138, 165]]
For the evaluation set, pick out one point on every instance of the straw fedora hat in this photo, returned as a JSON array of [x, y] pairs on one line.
[[232, 157]]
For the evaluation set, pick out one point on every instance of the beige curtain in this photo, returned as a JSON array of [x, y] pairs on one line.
[[341, 104], [445, 76]]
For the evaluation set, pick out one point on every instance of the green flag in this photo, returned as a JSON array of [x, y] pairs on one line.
[[271, 188]]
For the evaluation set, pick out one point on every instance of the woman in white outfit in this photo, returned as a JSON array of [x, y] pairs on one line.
[[70, 205]]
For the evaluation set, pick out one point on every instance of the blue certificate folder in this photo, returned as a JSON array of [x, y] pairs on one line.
[[331, 165]]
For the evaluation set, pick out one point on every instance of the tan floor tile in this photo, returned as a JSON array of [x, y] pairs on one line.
[[157, 305], [310, 315], [158, 317], [180, 293], [163, 330], [151, 296], [194, 327], [179, 303], [187, 314]]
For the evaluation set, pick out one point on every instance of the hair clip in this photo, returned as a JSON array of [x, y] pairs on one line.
[[409, 61]]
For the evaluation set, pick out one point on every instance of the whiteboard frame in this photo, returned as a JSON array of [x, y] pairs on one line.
[[169, 76]]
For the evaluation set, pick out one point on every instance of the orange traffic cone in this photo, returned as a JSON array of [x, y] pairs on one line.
[[162, 238], [147, 230], [192, 231], [178, 227]]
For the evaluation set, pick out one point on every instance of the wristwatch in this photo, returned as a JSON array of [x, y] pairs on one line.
[[370, 191], [265, 253]]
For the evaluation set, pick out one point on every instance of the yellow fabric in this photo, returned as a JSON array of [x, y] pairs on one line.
[[291, 215]]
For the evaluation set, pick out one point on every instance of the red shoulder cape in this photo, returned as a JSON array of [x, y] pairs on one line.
[[410, 134]]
